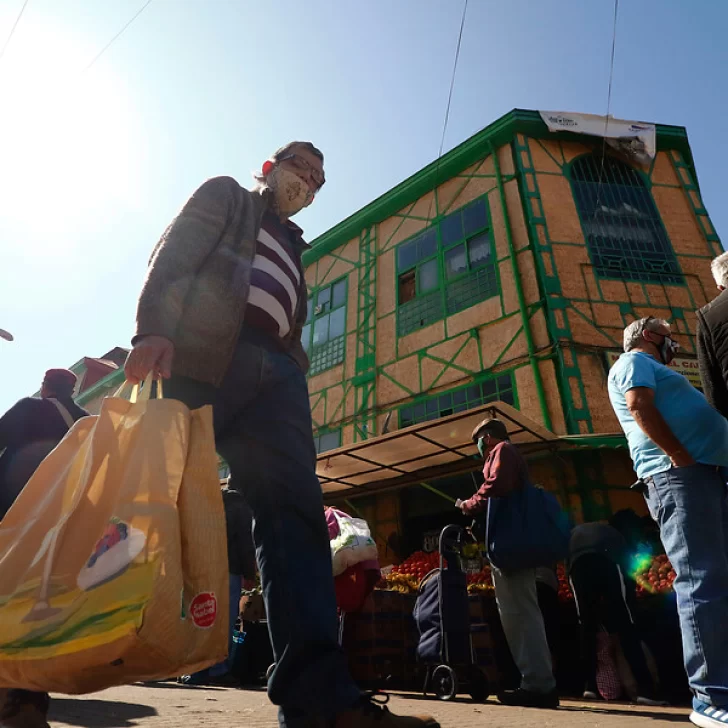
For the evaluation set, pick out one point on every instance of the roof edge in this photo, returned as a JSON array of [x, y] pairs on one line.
[[115, 377], [499, 132]]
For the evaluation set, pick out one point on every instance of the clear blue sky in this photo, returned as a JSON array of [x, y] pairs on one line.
[[94, 165]]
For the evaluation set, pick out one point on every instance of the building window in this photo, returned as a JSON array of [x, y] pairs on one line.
[[493, 389], [327, 440], [324, 335], [621, 223], [446, 268]]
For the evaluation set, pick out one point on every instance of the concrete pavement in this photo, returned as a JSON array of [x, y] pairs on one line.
[[166, 705]]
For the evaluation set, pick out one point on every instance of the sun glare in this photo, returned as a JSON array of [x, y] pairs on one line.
[[65, 137]]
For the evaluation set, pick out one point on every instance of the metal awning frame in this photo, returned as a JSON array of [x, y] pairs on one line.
[[525, 433]]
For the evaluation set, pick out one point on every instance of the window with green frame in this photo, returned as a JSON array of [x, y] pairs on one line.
[[493, 389], [622, 226], [446, 268], [324, 335], [329, 440]]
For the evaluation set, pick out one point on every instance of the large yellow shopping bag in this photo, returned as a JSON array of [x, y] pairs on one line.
[[113, 559]]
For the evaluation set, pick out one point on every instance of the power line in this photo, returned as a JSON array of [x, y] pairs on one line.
[[449, 103], [609, 103], [12, 30], [118, 35], [611, 62], [452, 80]]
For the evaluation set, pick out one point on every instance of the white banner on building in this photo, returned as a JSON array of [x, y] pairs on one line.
[[635, 139]]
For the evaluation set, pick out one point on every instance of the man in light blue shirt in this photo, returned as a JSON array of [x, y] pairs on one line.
[[679, 447]]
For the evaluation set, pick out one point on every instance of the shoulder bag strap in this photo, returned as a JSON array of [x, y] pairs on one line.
[[63, 412]]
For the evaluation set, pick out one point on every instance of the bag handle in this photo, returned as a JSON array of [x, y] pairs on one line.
[[143, 393]]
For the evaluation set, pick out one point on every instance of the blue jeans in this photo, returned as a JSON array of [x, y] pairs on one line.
[[263, 430], [690, 505], [224, 667]]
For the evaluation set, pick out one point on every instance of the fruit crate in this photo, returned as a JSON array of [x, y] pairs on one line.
[[380, 641]]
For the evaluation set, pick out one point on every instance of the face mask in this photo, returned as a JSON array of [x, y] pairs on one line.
[[291, 192], [481, 446], [667, 350]]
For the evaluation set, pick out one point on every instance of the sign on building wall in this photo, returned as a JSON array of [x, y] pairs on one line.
[[635, 139], [682, 364]]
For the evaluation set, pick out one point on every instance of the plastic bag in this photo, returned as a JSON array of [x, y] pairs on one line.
[[353, 545], [608, 679], [113, 559]]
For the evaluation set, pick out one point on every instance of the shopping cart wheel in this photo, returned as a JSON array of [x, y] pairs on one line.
[[445, 682], [478, 683], [269, 672]]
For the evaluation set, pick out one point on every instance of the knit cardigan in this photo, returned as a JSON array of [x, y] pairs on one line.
[[198, 281]]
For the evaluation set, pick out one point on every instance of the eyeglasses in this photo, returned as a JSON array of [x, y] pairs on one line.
[[305, 166]]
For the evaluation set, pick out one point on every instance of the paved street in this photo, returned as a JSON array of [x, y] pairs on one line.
[[166, 705]]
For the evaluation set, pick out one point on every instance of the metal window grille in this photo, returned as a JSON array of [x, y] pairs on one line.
[[494, 389], [419, 312], [474, 288], [327, 355], [621, 223]]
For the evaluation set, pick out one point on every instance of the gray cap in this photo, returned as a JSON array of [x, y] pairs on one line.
[[490, 426]]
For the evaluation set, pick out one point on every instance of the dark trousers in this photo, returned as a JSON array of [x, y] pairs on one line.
[[603, 597], [263, 430]]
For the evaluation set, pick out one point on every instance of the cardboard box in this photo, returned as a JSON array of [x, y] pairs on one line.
[[254, 610]]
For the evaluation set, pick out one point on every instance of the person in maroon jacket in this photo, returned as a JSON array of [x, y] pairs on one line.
[[505, 471]]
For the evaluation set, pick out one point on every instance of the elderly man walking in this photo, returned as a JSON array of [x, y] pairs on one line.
[[712, 340], [679, 447], [505, 472], [220, 315]]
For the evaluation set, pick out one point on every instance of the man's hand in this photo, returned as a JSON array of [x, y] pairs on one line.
[[641, 404], [150, 354], [681, 459]]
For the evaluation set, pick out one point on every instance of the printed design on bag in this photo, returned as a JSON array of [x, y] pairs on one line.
[[72, 619], [203, 610], [117, 548], [83, 608]]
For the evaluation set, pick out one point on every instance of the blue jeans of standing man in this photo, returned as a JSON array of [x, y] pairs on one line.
[[226, 666], [263, 430], [690, 505]]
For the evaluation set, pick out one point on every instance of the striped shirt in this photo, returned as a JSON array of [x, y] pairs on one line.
[[276, 277]]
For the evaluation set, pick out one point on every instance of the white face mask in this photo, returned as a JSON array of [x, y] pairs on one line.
[[291, 192]]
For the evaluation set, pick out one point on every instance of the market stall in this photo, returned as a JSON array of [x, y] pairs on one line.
[[405, 483]]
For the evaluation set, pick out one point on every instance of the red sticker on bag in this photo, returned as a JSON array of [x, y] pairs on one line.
[[203, 610]]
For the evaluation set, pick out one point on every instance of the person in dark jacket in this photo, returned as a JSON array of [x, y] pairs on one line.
[[31, 429], [242, 568], [604, 593], [505, 471], [28, 432], [712, 340]]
